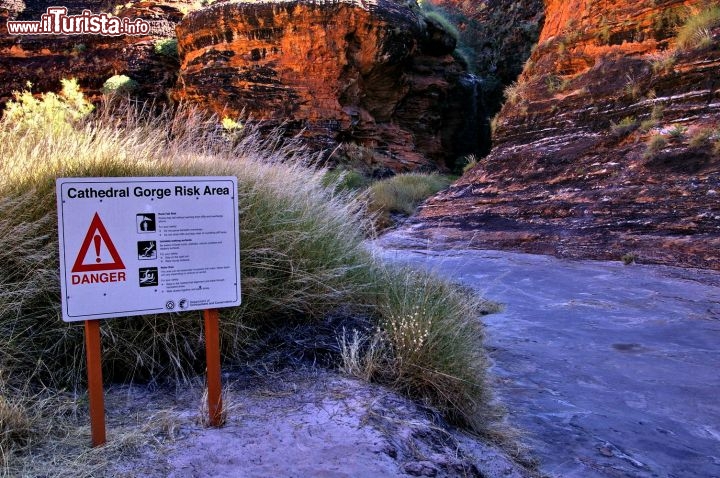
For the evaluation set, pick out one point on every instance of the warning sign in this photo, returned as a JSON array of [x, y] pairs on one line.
[[97, 236], [133, 246]]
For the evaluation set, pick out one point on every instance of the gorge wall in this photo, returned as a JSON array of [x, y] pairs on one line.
[[377, 74], [44, 60], [607, 146], [496, 38]]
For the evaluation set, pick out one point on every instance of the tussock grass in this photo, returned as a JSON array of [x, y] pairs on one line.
[[426, 329], [701, 137], [302, 257], [696, 32], [626, 125], [404, 192], [654, 145], [515, 92], [470, 162], [15, 423], [301, 243]]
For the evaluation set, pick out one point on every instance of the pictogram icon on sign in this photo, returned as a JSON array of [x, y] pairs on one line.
[[97, 236]]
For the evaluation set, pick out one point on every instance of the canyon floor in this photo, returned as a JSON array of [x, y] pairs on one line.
[[606, 370], [610, 370]]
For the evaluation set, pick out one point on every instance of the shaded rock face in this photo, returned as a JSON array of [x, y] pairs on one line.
[[497, 37], [46, 59], [375, 73], [577, 168]]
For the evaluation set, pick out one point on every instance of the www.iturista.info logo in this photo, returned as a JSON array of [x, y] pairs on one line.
[[56, 21]]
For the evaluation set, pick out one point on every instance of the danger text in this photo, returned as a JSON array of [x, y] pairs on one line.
[[98, 278]]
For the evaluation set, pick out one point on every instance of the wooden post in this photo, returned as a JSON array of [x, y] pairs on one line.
[[212, 356], [95, 383]]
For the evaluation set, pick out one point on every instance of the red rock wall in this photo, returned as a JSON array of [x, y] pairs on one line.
[[373, 73], [561, 179], [46, 59]]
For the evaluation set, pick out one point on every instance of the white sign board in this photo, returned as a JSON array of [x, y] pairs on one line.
[[133, 246]]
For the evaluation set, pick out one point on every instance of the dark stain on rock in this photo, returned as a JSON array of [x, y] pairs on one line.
[[630, 348]]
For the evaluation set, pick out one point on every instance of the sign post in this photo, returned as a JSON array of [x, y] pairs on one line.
[[95, 385], [141, 246], [212, 357]]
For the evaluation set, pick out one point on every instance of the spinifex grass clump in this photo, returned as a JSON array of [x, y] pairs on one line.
[[697, 30], [302, 255], [301, 245], [429, 331], [403, 193]]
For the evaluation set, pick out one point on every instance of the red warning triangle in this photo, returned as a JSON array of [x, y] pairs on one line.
[[97, 229]]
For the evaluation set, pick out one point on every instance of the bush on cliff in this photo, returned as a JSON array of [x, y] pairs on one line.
[[302, 256], [697, 30]]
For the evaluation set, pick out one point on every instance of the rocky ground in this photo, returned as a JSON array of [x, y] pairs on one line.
[[611, 370]]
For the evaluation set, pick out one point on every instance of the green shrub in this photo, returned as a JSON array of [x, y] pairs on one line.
[[119, 85], [696, 32], [442, 21], [49, 112], [625, 126], [654, 145], [404, 193], [345, 180], [677, 131], [167, 47], [302, 256], [667, 20]]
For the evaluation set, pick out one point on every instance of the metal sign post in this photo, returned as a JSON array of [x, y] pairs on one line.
[[139, 246]]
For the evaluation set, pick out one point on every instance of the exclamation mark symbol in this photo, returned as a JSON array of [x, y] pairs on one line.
[[97, 240]]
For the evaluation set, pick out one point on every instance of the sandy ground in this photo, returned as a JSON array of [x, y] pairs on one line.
[[299, 424]]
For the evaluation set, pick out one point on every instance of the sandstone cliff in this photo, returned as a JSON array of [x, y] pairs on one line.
[[46, 59], [378, 74], [375, 73], [607, 146]]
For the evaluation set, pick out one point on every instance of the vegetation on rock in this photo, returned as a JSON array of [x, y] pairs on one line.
[[696, 31], [119, 85]]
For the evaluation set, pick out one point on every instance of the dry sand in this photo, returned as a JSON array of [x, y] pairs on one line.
[[300, 424]]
